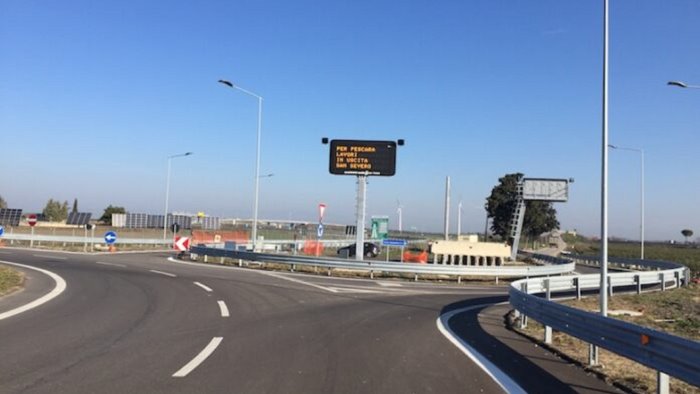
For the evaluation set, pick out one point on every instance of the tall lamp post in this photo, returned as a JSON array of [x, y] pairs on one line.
[[257, 158], [167, 193], [641, 210]]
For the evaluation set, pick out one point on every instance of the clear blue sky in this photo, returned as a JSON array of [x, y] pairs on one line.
[[95, 95]]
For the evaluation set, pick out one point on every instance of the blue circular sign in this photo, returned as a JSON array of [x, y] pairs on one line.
[[110, 237], [2, 231], [320, 230]]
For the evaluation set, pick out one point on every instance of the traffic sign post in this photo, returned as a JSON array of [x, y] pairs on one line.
[[181, 244], [362, 159], [31, 221], [110, 237], [388, 242]]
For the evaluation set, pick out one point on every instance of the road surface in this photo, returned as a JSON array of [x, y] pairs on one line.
[[140, 323]]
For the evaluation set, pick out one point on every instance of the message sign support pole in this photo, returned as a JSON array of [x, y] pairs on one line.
[[360, 224]]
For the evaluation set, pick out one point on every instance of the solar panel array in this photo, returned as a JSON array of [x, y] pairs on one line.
[[208, 222], [79, 218], [144, 220], [184, 221], [10, 217]]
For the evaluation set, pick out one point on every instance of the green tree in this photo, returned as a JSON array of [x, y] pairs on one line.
[[3, 203], [55, 211], [107, 215], [687, 233], [540, 216], [75, 206]]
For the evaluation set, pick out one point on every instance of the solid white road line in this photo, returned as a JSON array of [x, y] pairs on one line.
[[301, 282], [389, 284], [112, 264], [206, 288], [194, 363], [498, 376], [164, 273], [50, 257], [224, 309], [58, 289]]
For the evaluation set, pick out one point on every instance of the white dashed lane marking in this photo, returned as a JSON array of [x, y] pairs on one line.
[[194, 363], [223, 308], [164, 273], [205, 287]]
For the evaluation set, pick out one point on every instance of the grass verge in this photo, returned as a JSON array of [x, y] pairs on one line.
[[10, 280]]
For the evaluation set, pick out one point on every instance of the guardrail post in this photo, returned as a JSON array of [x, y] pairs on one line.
[[329, 271], [663, 281], [577, 283], [221, 260], [206, 258], [638, 282], [662, 383], [371, 274], [459, 279], [592, 354], [686, 273], [415, 277], [523, 317], [293, 267], [548, 329], [240, 262]]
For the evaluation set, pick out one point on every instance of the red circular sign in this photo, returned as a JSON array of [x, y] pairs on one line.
[[31, 220]]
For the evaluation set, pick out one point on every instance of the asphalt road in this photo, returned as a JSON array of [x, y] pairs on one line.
[[132, 323]]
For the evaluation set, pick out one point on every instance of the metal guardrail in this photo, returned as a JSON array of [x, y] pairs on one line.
[[675, 356], [381, 266], [81, 240]]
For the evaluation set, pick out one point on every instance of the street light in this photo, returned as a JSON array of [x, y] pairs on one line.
[[167, 193], [257, 157], [641, 213], [681, 84]]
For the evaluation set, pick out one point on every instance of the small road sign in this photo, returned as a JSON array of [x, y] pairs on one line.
[[31, 220], [181, 243], [320, 230], [2, 231], [394, 242], [110, 237]]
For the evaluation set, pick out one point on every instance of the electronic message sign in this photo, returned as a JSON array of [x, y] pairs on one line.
[[353, 157]]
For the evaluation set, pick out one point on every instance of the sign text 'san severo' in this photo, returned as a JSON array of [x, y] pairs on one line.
[[353, 157]]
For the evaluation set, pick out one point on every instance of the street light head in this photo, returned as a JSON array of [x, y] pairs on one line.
[[612, 146], [225, 82], [677, 83], [189, 153]]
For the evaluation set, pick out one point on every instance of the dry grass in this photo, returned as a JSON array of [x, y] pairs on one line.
[[10, 280]]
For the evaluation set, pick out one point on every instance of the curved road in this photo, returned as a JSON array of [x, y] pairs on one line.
[[141, 323]]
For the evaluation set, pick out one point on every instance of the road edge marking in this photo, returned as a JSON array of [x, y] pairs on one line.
[[55, 292], [495, 373], [198, 359]]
